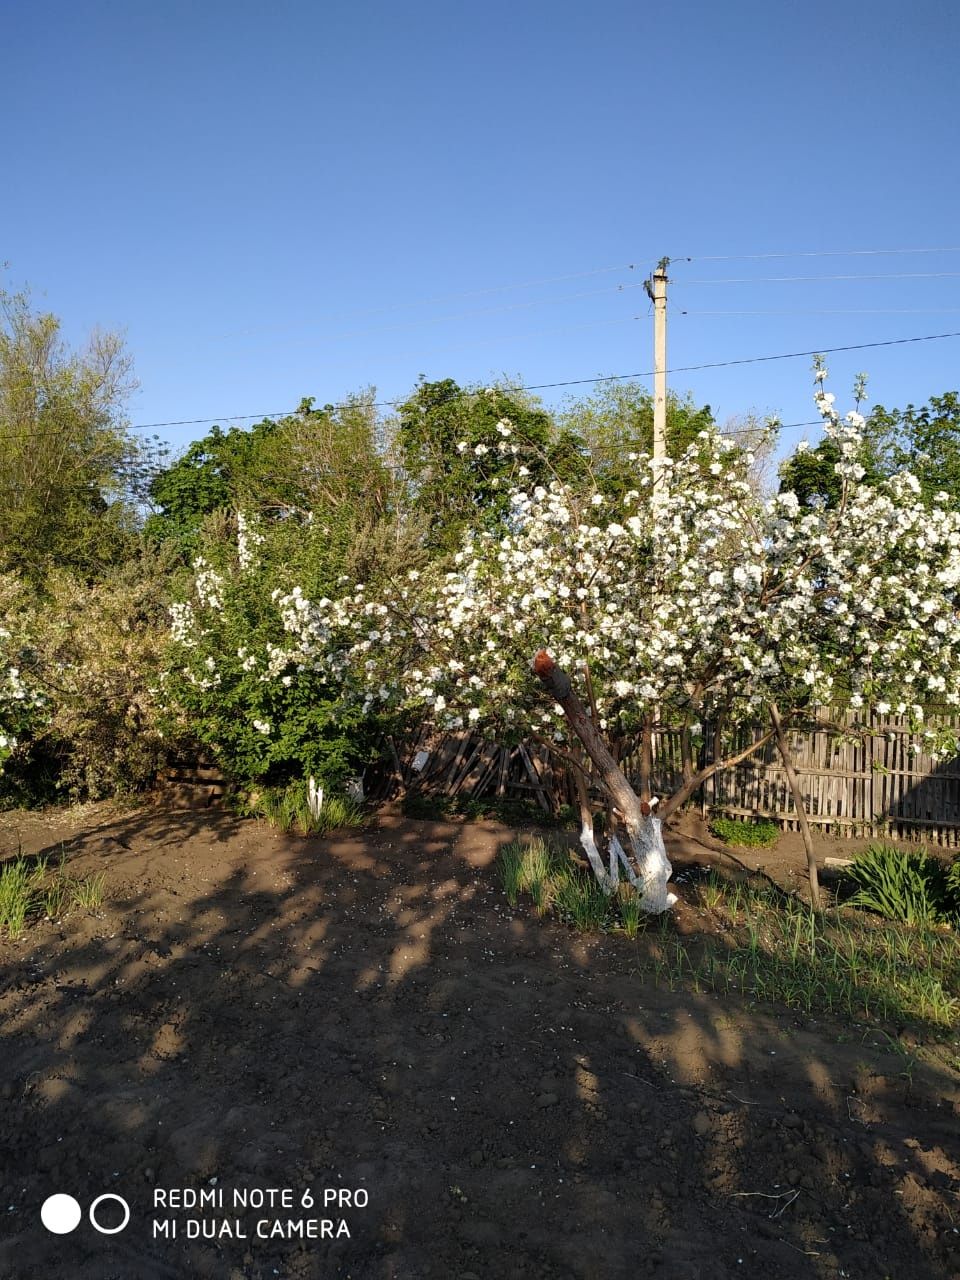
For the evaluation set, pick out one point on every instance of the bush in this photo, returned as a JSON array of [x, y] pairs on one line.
[[234, 678], [90, 655], [900, 885], [755, 833]]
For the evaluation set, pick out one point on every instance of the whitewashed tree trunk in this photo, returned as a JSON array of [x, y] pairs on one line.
[[643, 829], [655, 869]]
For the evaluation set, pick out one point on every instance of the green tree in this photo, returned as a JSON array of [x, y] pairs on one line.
[[69, 467], [323, 462], [458, 463], [925, 441], [617, 419]]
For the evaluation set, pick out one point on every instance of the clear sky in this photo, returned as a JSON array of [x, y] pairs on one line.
[[290, 199]]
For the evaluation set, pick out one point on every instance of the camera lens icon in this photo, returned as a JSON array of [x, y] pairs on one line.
[[61, 1214]]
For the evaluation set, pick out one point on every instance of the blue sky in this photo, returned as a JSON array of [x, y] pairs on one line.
[[298, 199]]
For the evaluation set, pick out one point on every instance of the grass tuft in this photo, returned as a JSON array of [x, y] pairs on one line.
[[580, 901], [631, 916], [29, 890], [288, 809]]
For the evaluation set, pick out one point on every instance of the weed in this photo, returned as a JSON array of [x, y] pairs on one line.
[[533, 867], [515, 813], [18, 887], [288, 808], [761, 833], [631, 915], [545, 871], [902, 885], [55, 899], [28, 890], [509, 862], [712, 890], [87, 892], [580, 901], [838, 962]]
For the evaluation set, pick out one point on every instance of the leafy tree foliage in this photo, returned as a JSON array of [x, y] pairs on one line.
[[618, 417], [616, 420], [322, 461], [68, 466], [924, 441], [446, 443]]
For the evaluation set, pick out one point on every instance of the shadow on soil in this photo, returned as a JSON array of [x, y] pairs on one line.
[[367, 1012]]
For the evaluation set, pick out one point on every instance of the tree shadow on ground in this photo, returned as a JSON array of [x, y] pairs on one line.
[[517, 1100]]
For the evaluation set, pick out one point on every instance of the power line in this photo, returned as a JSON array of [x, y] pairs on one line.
[[852, 311], [550, 386], [893, 275], [808, 253], [461, 315], [427, 302], [573, 275]]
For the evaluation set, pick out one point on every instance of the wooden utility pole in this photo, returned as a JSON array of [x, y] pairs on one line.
[[657, 290]]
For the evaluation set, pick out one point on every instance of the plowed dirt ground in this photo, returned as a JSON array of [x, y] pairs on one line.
[[367, 1012]]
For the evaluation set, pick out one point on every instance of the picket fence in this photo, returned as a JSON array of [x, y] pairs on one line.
[[883, 780]]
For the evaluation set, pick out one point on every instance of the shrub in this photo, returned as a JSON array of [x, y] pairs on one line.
[[755, 833], [901, 885], [89, 654], [235, 679]]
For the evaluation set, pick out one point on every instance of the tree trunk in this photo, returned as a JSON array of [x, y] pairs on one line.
[[787, 757], [587, 835], [686, 751], [646, 759], [643, 829]]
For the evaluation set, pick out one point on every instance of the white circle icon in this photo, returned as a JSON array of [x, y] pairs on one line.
[[110, 1231], [60, 1214]]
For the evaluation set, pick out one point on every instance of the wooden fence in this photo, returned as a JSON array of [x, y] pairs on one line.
[[882, 781]]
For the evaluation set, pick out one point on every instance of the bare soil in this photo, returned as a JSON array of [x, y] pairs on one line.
[[366, 1012]]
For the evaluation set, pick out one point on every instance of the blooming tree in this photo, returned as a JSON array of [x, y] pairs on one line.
[[229, 681], [21, 705], [586, 617]]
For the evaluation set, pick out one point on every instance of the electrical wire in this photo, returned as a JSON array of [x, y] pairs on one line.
[[345, 334], [572, 275], [893, 275], [545, 386], [808, 253], [854, 311], [428, 302]]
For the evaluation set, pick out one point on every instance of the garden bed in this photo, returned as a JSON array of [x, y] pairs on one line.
[[518, 1099]]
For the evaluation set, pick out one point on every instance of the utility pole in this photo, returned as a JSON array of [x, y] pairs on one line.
[[656, 288]]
